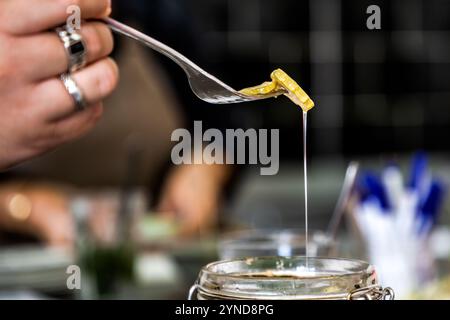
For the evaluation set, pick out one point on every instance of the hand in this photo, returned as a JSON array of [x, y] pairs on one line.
[[41, 211], [192, 194], [37, 113]]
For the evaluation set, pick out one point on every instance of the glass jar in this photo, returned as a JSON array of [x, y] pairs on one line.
[[289, 278]]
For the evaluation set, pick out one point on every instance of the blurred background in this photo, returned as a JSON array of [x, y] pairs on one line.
[[141, 228]]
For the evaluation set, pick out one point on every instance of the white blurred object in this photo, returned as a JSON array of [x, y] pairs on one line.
[[34, 267], [393, 180], [440, 243], [155, 268], [21, 295]]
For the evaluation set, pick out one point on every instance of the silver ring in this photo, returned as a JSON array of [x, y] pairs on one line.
[[74, 91], [75, 48]]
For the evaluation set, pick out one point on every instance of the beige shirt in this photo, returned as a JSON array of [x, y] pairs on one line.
[[140, 115]]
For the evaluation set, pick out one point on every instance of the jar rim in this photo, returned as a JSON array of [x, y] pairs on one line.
[[206, 269], [330, 277]]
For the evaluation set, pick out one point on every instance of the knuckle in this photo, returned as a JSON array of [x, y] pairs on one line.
[[93, 41], [99, 40]]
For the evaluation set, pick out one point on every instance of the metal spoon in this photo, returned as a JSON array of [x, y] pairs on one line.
[[205, 86]]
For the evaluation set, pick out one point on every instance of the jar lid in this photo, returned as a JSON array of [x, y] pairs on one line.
[[284, 278]]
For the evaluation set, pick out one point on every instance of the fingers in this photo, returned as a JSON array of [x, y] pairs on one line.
[[194, 216], [75, 126], [67, 129], [97, 37], [32, 16], [56, 227], [96, 82], [50, 219], [200, 221]]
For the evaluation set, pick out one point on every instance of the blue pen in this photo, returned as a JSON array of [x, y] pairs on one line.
[[418, 172], [430, 207], [374, 188], [417, 180]]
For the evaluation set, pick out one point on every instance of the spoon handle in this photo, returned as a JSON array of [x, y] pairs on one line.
[[150, 42]]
